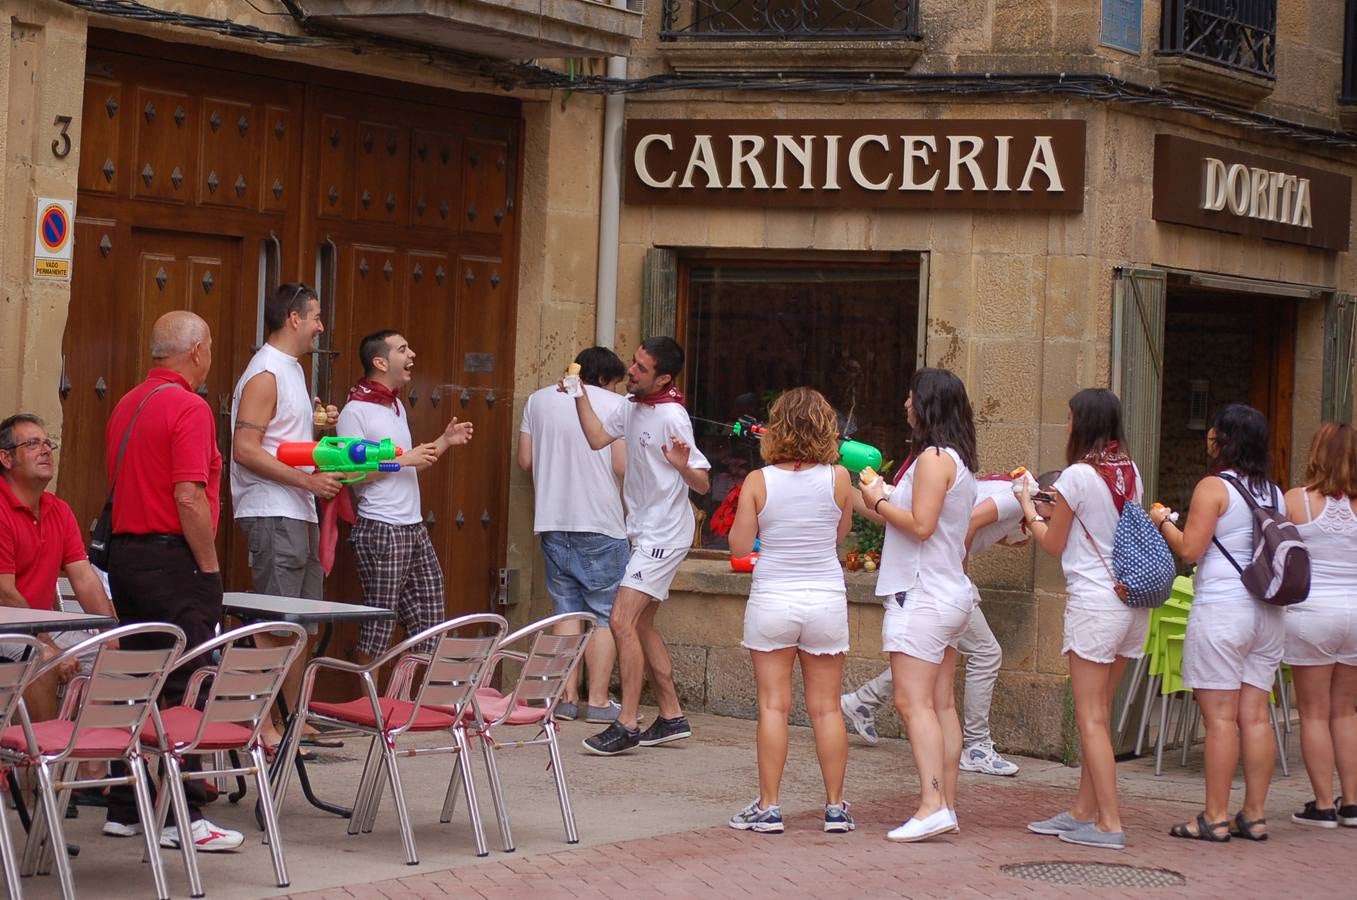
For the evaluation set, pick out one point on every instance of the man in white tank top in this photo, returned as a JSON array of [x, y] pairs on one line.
[[274, 502]]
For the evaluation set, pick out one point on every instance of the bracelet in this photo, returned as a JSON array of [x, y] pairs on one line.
[[1162, 522], [878, 503]]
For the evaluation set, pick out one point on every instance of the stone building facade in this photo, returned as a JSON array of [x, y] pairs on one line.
[[1126, 281]]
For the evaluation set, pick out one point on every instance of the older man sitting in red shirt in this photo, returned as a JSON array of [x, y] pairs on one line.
[[39, 539]]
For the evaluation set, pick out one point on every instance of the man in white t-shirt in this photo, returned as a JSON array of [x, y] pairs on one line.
[[662, 466], [578, 517], [272, 502], [396, 560], [996, 519]]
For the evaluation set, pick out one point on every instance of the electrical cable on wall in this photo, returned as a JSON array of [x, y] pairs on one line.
[[508, 75]]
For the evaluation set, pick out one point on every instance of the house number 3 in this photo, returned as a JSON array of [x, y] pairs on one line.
[[61, 146]]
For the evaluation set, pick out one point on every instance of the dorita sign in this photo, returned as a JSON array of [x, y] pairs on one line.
[[1018, 164], [1244, 193]]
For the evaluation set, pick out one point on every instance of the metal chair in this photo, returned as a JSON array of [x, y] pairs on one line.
[[244, 686], [118, 697], [15, 676], [457, 663], [547, 665]]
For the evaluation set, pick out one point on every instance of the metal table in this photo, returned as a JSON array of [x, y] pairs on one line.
[[270, 608], [14, 620]]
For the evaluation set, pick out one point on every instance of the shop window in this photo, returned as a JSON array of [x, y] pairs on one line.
[[1348, 94], [753, 330]]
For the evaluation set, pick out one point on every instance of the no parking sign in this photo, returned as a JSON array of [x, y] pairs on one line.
[[52, 239]]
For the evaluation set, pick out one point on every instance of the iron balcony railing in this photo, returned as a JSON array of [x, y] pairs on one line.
[[753, 20], [1238, 34]]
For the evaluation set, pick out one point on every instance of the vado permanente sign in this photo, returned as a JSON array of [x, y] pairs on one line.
[[1244, 193], [1019, 164]]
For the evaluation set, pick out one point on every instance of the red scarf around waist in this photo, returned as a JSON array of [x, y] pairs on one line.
[[369, 391], [670, 394]]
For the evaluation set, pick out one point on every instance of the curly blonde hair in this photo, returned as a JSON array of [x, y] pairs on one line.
[[802, 427]]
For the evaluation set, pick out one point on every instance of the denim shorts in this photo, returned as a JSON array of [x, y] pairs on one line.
[[584, 570]]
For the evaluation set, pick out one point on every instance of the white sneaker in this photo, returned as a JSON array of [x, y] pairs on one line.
[[119, 829], [860, 717], [982, 757], [941, 822], [207, 837], [956, 828]]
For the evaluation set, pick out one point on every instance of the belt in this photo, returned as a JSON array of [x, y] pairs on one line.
[[171, 540]]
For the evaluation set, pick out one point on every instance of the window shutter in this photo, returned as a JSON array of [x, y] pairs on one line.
[[1340, 347], [659, 293], [1138, 306]]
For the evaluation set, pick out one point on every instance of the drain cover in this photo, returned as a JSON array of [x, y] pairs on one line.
[[1094, 874]]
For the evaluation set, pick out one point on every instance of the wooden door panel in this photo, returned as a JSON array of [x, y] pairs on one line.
[[164, 155], [278, 182], [100, 133], [228, 154], [334, 165], [435, 184], [381, 172], [485, 175]]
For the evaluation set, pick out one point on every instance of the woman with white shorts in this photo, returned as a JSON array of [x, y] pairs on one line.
[[1234, 641], [1101, 632], [1321, 633], [799, 508], [927, 595]]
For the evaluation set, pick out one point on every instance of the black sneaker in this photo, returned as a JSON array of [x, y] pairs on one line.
[[1319, 818], [1347, 812], [662, 731], [614, 739]]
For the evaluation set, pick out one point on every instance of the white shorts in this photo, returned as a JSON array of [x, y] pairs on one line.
[[1232, 643], [1321, 631], [1101, 635], [924, 627], [651, 569], [814, 620]]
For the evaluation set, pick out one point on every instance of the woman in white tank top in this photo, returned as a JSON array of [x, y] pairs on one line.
[[798, 507], [1321, 633], [1234, 641], [927, 594]]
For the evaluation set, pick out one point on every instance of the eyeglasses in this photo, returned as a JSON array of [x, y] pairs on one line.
[[33, 442]]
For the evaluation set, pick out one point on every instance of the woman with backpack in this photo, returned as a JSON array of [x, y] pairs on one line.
[[1321, 633], [926, 591], [1101, 631], [799, 507], [1234, 641]]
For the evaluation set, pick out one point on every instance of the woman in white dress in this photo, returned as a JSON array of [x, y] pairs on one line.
[[927, 594]]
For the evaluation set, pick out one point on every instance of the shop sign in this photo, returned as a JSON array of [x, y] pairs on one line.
[[1244, 193], [999, 164]]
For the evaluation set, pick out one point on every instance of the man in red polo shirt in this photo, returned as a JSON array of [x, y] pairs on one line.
[[39, 539], [162, 562]]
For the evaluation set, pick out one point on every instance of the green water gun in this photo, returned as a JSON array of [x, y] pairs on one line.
[[853, 455], [342, 454]]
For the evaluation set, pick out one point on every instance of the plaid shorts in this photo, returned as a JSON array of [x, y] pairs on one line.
[[400, 572]]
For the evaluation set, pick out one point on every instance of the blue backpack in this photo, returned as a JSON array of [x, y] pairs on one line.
[[1142, 567]]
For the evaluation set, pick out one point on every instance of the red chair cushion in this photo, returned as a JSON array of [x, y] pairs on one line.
[[181, 727], [395, 713], [54, 736], [493, 704]]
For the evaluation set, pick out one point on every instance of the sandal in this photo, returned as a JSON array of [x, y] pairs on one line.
[[1244, 828], [1206, 831]]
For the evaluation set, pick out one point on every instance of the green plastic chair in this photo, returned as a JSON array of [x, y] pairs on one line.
[[1172, 635]]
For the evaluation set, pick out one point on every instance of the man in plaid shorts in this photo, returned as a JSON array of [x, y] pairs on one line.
[[396, 559]]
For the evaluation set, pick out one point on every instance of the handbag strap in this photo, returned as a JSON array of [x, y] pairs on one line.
[[1253, 504], [127, 434], [1094, 544]]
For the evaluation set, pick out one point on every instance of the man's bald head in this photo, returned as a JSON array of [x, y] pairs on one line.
[[175, 334]]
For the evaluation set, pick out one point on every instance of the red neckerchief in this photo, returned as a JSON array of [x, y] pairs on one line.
[[369, 391], [670, 394], [1115, 468]]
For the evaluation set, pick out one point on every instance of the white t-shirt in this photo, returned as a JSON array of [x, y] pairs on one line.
[[1009, 524], [251, 494], [1216, 580], [394, 497], [574, 484], [1087, 578], [658, 514]]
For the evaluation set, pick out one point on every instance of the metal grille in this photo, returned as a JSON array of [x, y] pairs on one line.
[[1238, 34], [795, 19], [1094, 874]]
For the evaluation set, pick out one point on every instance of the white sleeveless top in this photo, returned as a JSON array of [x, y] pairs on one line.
[[1216, 580], [934, 566], [1332, 540], [798, 531], [292, 421]]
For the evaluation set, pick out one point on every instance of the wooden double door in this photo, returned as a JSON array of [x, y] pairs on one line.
[[206, 181]]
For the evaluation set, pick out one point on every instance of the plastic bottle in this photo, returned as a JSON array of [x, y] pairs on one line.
[[571, 381]]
